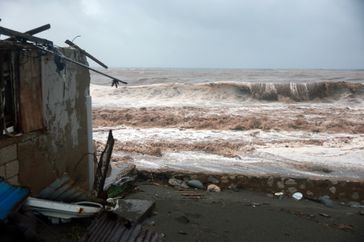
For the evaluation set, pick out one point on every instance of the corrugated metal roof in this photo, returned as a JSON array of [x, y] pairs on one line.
[[11, 197], [63, 189], [108, 226]]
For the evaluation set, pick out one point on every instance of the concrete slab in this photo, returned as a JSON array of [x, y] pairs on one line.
[[134, 210]]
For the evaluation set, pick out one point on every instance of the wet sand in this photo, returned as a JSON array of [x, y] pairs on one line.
[[247, 216]]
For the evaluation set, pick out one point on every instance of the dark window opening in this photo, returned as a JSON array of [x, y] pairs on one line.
[[9, 115]]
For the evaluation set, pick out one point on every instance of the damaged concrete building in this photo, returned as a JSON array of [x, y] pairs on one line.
[[45, 117]]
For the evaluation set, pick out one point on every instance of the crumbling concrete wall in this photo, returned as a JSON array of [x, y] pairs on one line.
[[61, 147], [9, 164]]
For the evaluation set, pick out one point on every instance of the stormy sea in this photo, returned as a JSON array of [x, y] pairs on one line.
[[297, 123]]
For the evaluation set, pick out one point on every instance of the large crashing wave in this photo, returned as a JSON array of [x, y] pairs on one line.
[[246, 91]]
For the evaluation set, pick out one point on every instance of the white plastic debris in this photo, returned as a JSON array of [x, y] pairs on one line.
[[278, 194], [297, 196], [63, 212]]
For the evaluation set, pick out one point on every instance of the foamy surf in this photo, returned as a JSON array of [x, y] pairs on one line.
[[273, 124]]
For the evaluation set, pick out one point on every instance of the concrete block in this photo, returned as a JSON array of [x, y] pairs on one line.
[[8, 153], [134, 209], [12, 169]]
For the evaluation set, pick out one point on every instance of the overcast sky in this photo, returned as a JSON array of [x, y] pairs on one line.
[[202, 33]]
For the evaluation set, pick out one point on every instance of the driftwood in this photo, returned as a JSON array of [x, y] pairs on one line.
[[103, 166]]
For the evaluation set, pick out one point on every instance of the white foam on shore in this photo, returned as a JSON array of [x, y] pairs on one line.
[[276, 153]]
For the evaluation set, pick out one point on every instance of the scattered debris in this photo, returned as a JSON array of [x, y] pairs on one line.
[[121, 187], [195, 184], [213, 188], [182, 232], [11, 198], [191, 194], [346, 227], [297, 196], [47, 46], [324, 215], [279, 194], [355, 205]]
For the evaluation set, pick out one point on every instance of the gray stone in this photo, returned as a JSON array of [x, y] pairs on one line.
[[195, 184], [7, 154], [270, 181], [302, 186], [325, 200], [12, 169], [174, 182], [184, 185], [134, 209], [224, 179], [291, 182], [332, 190], [280, 184], [355, 205], [212, 180], [355, 196]]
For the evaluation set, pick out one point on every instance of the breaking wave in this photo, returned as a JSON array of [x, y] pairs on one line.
[[246, 91]]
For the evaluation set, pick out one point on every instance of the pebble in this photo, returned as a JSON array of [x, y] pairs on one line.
[[324, 215], [280, 184], [291, 182], [355, 205], [332, 190], [213, 188], [297, 195], [270, 181], [325, 200], [195, 184], [174, 182], [212, 180]]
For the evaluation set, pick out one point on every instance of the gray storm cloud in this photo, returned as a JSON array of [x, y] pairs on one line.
[[204, 33]]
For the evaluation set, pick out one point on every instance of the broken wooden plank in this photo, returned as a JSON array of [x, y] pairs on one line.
[[70, 43], [34, 31], [31, 108], [103, 166], [19, 35]]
